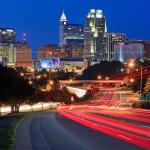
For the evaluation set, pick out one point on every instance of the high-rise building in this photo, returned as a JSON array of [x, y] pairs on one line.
[[74, 31], [23, 55], [112, 39], [74, 39], [7, 54], [124, 51], [63, 23], [7, 35], [94, 34], [71, 37], [75, 46]]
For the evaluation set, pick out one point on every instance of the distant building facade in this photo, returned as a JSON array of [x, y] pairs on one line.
[[146, 49], [125, 51], [51, 50], [23, 55], [113, 39]]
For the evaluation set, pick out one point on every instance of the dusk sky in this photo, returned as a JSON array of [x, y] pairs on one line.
[[40, 18]]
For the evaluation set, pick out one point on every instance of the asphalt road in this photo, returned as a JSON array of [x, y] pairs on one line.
[[50, 131]]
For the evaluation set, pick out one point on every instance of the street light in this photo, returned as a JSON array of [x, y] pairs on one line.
[[131, 64], [51, 82], [99, 77], [131, 80], [22, 74], [30, 82], [107, 78]]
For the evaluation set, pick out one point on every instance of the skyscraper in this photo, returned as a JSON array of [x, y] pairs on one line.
[[63, 23], [7, 54], [94, 34], [7, 46], [7, 35], [74, 39], [71, 37]]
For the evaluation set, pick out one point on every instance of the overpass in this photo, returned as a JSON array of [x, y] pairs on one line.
[[80, 92], [135, 75], [89, 81]]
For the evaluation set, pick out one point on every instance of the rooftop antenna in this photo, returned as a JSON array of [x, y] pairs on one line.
[[24, 37]]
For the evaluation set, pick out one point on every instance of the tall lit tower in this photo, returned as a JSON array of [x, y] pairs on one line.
[[63, 23], [94, 34]]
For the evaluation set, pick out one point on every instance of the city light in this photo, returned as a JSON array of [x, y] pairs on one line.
[[131, 64], [39, 77], [99, 77], [30, 82], [51, 82], [107, 78], [131, 80], [22, 74]]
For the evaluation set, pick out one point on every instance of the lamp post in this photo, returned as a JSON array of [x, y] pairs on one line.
[[131, 65], [49, 72], [141, 80]]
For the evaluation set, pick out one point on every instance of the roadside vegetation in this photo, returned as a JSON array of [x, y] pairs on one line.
[[8, 126], [16, 89], [18, 86]]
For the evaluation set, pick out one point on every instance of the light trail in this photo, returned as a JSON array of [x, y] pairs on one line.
[[130, 117], [113, 122], [108, 115], [128, 137], [25, 108]]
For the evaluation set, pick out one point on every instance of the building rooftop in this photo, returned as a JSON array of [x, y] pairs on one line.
[[71, 59], [63, 17]]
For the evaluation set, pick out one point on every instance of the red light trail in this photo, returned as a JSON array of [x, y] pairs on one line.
[[130, 125]]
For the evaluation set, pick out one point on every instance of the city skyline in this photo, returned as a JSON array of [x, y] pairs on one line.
[[74, 75], [42, 27]]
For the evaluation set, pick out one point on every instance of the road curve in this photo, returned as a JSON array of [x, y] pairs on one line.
[[50, 131]]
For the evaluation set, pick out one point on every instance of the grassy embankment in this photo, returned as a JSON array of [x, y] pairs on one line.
[[8, 126]]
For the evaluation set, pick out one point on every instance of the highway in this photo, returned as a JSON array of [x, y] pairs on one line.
[[107, 115], [51, 131], [101, 124]]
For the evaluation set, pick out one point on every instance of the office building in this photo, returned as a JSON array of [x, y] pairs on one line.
[[23, 55], [46, 51], [7, 54], [125, 51], [112, 39], [94, 35], [51, 50], [71, 37], [146, 49], [7, 35]]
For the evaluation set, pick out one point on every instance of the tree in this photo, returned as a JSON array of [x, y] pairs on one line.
[[15, 90], [104, 68], [147, 85]]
